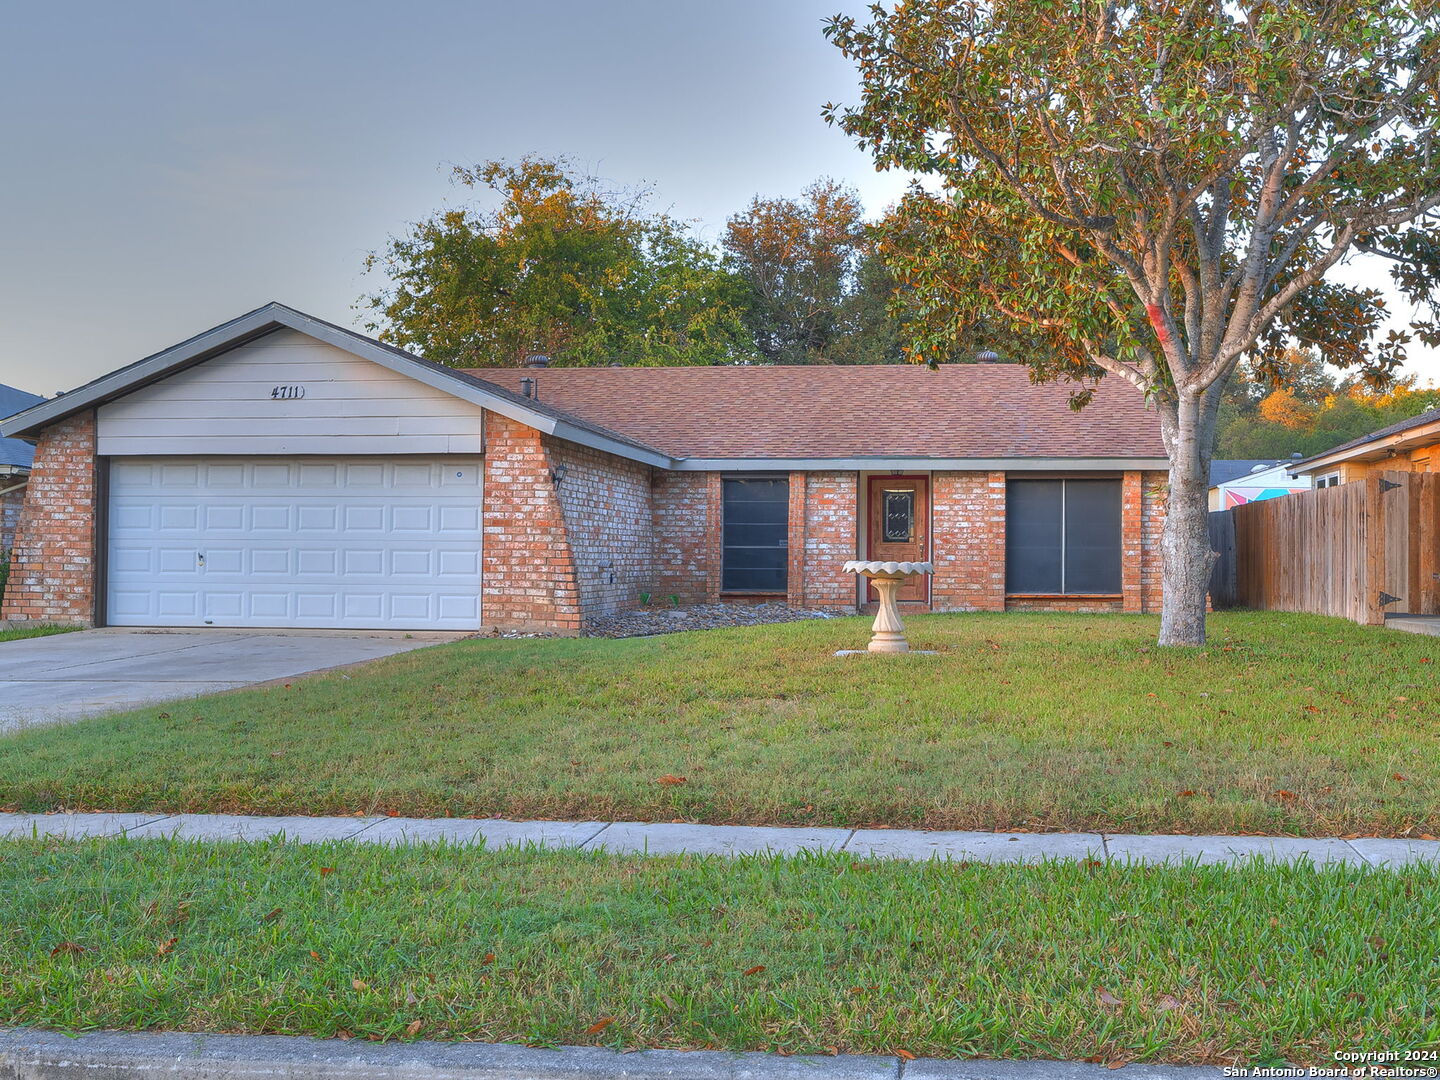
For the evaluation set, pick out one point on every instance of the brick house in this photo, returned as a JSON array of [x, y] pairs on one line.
[[281, 471], [15, 458]]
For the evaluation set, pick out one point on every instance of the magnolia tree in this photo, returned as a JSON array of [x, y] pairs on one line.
[[1162, 190]]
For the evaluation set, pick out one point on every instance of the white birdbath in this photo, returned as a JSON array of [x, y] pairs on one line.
[[887, 577]]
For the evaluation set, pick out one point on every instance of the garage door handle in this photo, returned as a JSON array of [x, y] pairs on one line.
[[200, 558]]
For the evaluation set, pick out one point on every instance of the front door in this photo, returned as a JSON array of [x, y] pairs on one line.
[[899, 528]]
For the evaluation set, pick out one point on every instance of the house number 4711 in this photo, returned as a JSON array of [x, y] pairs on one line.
[[287, 393]]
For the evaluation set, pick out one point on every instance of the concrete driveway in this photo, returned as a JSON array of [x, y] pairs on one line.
[[67, 676]]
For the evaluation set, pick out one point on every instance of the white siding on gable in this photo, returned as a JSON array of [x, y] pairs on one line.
[[350, 406]]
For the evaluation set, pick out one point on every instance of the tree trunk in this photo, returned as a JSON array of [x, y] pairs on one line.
[[1186, 557]]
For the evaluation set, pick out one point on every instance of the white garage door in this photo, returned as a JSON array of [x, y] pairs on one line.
[[356, 543]]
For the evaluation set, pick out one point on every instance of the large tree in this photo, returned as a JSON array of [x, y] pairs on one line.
[[557, 263], [817, 292], [1161, 188]]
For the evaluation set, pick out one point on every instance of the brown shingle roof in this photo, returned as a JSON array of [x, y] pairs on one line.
[[830, 411]]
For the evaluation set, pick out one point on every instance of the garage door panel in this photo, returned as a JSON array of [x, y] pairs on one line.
[[361, 543]]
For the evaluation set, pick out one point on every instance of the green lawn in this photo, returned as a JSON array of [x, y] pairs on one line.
[[33, 631], [807, 955], [1285, 724]]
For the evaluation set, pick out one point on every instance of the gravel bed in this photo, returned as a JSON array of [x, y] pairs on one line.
[[666, 620]]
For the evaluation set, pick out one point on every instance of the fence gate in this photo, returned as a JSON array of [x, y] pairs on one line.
[[1362, 550]]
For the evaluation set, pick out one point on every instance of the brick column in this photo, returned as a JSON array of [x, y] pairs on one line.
[[795, 575], [829, 537], [52, 569], [714, 529], [1132, 537], [529, 569], [968, 541]]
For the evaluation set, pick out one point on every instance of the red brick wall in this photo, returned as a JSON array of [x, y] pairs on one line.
[[680, 513], [823, 537], [606, 501], [52, 570], [1155, 497], [528, 566], [967, 541]]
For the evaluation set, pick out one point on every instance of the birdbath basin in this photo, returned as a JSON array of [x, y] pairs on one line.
[[888, 635]]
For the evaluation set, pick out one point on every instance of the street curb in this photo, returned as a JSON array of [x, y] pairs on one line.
[[109, 1055]]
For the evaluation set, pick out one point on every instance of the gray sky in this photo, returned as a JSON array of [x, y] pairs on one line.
[[167, 166]]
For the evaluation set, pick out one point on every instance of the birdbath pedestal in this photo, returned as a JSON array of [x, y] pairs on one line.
[[888, 635]]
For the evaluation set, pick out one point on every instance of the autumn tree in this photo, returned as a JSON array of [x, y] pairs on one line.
[[817, 294], [554, 262], [1161, 189]]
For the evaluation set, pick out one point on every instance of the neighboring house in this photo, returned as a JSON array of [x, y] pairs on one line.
[[1236, 481], [15, 458], [1408, 446], [282, 471]]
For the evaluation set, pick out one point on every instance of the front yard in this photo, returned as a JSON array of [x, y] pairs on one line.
[[817, 954], [1285, 724]]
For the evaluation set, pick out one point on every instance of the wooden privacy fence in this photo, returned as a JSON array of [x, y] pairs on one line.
[[1362, 550]]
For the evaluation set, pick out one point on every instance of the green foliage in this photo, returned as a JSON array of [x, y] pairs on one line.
[[1155, 189], [1332, 418], [816, 293], [560, 266]]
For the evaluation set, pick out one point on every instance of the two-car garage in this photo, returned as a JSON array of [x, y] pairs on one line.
[[342, 542]]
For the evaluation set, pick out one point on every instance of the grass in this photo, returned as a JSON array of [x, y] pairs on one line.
[[1284, 724], [816, 954], [34, 631]]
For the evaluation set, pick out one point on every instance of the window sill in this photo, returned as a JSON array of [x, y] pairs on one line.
[[751, 593], [1064, 596]]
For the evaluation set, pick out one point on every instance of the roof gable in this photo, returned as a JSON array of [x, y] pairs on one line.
[[261, 321]]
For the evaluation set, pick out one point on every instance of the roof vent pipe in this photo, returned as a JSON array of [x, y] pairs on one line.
[[537, 360], [987, 357], [527, 386]]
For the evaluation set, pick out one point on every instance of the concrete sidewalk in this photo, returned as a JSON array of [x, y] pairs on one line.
[[669, 839], [39, 1055]]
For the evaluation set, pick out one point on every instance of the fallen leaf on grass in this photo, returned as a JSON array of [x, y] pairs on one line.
[[359, 984], [67, 948], [1285, 796], [1167, 1002], [668, 1002], [488, 959], [166, 946], [670, 781], [1106, 998], [413, 1028], [900, 1052], [343, 1035], [271, 916], [754, 970], [600, 1025], [326, 871]]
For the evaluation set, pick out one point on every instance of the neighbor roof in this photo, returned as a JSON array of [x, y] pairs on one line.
[[825, 411], [1228, 470], [16, 453], [1344, 449]]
